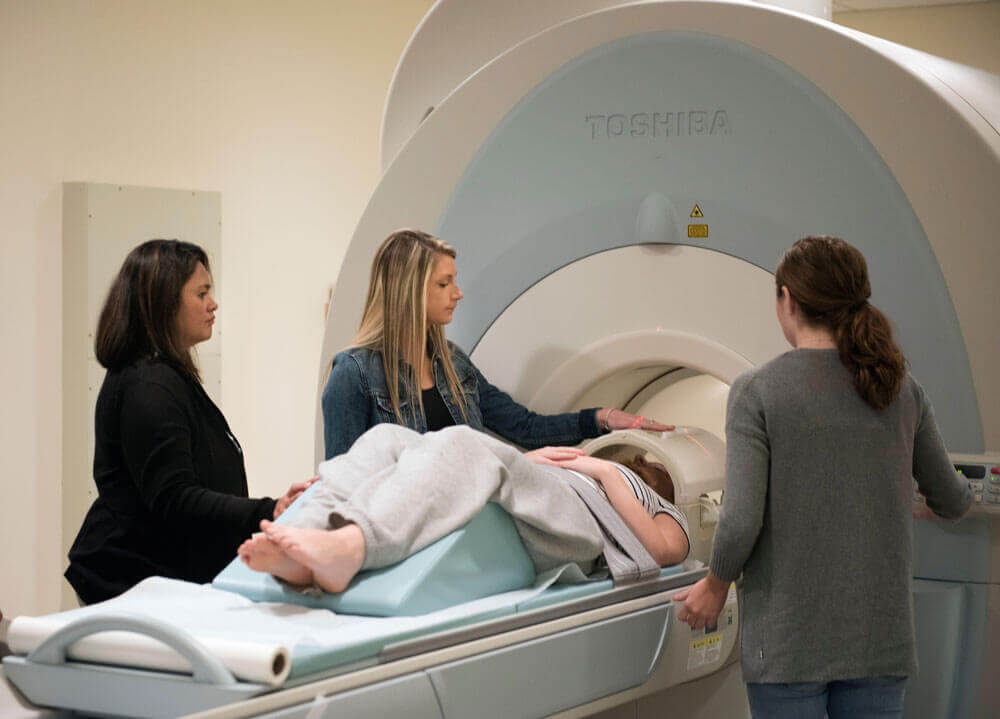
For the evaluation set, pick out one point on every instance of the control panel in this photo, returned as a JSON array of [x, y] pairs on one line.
[[982, 471]]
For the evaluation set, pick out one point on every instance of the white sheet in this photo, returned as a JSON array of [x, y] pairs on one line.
[[246, 636]]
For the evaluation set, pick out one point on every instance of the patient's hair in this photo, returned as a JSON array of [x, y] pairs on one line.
[[139, 317], [655, 476]]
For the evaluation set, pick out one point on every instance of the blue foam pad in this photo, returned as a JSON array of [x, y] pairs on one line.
[[483, 558]]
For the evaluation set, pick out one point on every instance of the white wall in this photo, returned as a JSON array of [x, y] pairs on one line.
[[276, 105], [967, 33]]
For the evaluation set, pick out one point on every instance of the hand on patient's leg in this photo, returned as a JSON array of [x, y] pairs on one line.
[[262, 555], [333, 556]]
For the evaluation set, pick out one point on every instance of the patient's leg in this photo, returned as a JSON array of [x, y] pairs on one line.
[[421, 487], [375, 454], [262, 555], [333, 556]]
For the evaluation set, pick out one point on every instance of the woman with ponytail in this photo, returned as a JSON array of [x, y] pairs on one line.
[[823, 445]]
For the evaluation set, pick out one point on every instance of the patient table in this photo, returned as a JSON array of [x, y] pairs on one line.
[[536, 648]]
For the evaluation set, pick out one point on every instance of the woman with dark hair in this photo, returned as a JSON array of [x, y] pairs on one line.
[[172, 488], [400, 368], [823, 445]]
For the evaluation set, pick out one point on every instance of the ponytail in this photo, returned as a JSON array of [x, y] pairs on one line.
[[864, 340], [828, 278]]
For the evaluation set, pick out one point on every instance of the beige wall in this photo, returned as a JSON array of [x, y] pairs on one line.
[[967, 33], [274, 104]]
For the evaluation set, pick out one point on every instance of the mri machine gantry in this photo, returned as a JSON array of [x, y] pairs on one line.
[[566, 171], [619, 181]]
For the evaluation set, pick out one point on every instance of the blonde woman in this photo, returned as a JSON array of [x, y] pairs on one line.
[[401, 369]]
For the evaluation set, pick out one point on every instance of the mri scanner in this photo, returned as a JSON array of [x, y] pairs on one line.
[[619, 181]]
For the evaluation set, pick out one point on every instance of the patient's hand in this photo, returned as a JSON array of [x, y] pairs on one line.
[[554, 455], [291, 495]]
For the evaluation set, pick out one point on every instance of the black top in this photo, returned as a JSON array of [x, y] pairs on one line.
[[172, 488], [435, 410]]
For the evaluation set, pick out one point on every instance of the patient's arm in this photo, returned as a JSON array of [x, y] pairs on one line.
[[553, 455], [661, 535]]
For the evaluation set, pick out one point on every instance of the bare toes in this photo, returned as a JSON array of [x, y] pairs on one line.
[[288, 545], [283, 539]]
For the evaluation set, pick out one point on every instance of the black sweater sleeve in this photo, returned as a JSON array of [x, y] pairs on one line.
[[171, 482], [156, 434]]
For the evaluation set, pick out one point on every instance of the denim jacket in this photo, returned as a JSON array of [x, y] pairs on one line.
[[356, 398]]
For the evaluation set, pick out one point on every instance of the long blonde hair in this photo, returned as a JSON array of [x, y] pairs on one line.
[[394, 321]]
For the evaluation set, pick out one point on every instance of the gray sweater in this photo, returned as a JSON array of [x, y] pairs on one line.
[[817, 516]]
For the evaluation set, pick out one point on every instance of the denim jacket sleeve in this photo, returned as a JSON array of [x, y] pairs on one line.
[[518, 424], [345, 405]]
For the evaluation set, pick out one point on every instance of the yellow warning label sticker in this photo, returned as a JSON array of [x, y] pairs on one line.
[[708, 641], [704, 650], [697, 230], [696, 212]]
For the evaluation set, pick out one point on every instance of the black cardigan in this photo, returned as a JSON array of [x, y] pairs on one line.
[[172, 488]]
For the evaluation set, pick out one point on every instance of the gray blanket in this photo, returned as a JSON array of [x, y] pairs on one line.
[[405, 490]]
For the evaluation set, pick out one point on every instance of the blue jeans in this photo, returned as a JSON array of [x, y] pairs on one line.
[[854, 698]]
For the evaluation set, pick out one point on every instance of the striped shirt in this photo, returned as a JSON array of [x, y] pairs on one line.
[[652, 502]]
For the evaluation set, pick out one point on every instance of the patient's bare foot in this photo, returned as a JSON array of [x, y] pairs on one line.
[[334, 556], [262, 555]]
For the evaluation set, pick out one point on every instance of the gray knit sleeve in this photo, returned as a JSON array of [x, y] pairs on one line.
[[747, 466], [948, 495]]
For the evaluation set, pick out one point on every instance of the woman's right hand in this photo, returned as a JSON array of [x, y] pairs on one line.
[[922, 511], [553, 456], [611, 418], [701, 605], [291, 495]]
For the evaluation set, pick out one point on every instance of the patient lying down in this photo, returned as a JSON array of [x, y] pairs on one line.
[[396, 491]]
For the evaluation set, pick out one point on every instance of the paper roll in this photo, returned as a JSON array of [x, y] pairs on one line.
[[259, 663]]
